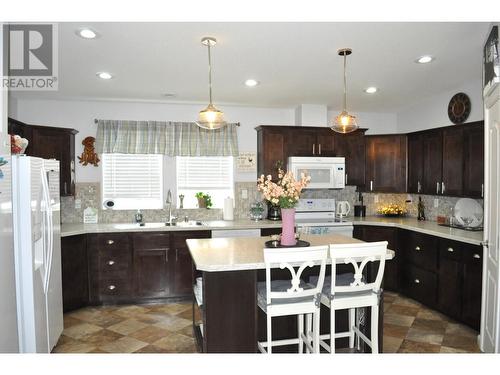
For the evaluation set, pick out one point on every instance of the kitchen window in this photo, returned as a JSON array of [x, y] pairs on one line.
[[133, 181], [212, 175]]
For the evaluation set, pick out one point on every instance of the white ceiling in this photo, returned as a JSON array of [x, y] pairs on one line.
[[295, 62]]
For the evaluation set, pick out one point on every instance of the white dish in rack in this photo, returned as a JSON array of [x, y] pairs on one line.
[[469, 209]]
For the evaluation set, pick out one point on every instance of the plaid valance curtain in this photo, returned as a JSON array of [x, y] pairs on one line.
[[165, 137]]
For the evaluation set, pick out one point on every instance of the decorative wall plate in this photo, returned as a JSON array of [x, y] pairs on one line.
[[459, 108]]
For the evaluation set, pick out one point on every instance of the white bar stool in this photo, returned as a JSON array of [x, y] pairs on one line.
[[294, 296], [349, 291]]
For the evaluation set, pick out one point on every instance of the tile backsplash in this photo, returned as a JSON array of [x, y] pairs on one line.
[[89, 196]]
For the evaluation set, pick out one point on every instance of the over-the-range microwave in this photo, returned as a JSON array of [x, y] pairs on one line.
[[325, 172]]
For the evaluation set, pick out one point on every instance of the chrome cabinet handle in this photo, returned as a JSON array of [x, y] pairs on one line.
[[176, 255], [482, 190], [346, 178], [476, 256], [111, 287], [417, 248], [419, 187], [371, 185], [442, 187], [111, 262], [450, 249], [110, 242], [417, 281], [314, 147], [65, 188], [166, 255], [319, 148], [437, 187]]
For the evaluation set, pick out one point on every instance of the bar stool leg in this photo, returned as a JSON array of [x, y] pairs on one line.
[[352, 322], [300, 327], [356, 323], [332, 330], [269, 335], [374, 328], [308, 330], [316, 346]]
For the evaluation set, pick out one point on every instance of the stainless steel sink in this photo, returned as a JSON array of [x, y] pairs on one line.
[[137, 225]]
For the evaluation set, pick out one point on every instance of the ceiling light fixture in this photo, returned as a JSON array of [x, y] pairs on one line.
[[371, 90], [344, 122], [86, 33], [251, 82], [210, 117], [104, 75], [424, 59]]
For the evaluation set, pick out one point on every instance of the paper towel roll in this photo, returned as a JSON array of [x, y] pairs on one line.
[[228, 213]]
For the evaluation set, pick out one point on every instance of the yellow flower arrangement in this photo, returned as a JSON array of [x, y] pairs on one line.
[[392, 210]]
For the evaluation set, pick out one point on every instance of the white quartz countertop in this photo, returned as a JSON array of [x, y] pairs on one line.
[[247, 253], [427, 227]]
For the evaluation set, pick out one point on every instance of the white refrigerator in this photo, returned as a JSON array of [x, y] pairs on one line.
[[37, 245]]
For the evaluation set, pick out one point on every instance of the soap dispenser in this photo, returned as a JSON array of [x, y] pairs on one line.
[[138, 217]]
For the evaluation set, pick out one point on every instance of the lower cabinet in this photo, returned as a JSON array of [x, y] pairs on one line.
[[450, 291], [472, 284], [75, 278]]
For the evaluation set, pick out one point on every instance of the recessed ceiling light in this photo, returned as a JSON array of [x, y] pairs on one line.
[[371, 90], [424, 59], [251, 82], [104, 75], [86, 33]]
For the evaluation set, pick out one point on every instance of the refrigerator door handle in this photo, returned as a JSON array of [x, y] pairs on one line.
[[49, 227]]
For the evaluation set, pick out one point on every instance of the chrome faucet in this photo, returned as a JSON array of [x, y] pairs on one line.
[[169, 203]]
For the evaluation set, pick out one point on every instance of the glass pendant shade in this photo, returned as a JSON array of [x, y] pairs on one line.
[[344, 122], [211, 118]]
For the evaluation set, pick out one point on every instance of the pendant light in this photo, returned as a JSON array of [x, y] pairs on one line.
[[210, 117], [344, 122]]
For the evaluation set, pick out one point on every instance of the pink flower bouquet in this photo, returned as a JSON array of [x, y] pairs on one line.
[[285, 192]]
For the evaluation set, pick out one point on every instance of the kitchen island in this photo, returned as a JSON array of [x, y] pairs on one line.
[[230, 268]]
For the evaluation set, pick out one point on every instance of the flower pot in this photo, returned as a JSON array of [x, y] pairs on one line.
[[202, 203], [288, 227]]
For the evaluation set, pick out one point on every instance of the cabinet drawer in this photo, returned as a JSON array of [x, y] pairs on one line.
[[420, 285], [422, 251], [115, 288], [180, 238], [449, 249], [151, 241], [115, 264], [112, 241]]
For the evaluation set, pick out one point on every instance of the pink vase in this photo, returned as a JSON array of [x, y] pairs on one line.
[[288, 227]]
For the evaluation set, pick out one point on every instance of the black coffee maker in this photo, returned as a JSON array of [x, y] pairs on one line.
[[360, 209]]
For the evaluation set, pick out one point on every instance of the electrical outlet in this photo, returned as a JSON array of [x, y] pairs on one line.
[[436, 203], [375, 198], [78, 204], [244, 194]]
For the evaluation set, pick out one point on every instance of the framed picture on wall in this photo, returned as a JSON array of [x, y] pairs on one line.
[[491, 62]]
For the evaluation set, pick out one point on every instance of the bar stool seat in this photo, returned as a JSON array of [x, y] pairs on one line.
[[282, 286]]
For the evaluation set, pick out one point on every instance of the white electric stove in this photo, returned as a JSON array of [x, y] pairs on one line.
[[317, 216]]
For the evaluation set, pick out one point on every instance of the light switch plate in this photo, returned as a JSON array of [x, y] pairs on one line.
[[78, 204], [244, 194], [375, 199], [436, 203]]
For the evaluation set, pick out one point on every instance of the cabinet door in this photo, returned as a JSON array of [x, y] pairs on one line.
[[75, 279], [415, 163], [352, 147], [301, 142], [474, 161], [151, 260], [386, 163], [450, 278], [271, 142], [472, 285], [325, 143], [453, 162], [183, 263], [433, 162]]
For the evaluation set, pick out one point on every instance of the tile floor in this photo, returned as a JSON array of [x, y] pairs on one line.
[[408, 328]]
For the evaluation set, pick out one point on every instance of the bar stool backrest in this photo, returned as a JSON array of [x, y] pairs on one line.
[[296, 260], [358, 255]]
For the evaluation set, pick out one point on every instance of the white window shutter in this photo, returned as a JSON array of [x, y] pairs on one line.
[[133, 181]]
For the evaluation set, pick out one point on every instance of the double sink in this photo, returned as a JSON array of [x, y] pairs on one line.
[[181, 224]]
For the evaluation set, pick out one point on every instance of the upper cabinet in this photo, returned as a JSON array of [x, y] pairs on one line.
[[447, 161], [352, 147], [51, 143], [386, 163]]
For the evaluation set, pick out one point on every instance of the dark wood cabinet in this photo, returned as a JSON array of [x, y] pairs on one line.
[[474, 160], [386, 163], [151, 264], [453, 162], [271, 149], [75, 277], [51, 143], [352, 147], [302, 142], [433, 162], [450, 278], [183, 264], [472, 285], [415, 163], [419, 284], [377, 233]]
